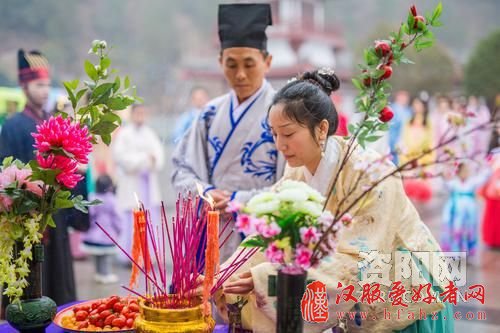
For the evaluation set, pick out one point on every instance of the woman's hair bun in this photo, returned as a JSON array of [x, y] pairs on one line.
[[324, 78]]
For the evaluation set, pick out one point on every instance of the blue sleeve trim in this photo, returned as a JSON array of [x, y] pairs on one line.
[[208, 189]]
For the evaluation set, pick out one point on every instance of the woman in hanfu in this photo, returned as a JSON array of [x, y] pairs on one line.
[[303, 120], [417, 137]]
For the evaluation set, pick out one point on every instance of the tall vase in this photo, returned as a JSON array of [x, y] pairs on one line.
[[290, 287], [36, 311]]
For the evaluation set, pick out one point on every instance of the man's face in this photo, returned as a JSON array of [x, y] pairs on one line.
[[244, 69], [138, 115], [37, 92]]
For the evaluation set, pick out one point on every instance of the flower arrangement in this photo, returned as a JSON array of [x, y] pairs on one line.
[[286, 223], [31, 193]]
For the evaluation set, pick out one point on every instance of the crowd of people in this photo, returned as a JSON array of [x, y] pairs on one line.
[[245, 141]]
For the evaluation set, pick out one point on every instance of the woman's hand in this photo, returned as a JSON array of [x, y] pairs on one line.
[[242, 286]]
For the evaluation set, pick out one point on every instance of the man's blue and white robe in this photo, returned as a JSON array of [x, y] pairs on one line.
[[230, 147]]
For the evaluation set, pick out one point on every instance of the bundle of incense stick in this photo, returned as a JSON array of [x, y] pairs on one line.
[[182, 237]]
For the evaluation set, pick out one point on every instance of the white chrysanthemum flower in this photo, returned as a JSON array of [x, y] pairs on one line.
[[308, 207], [315, 196], [261, 197], [292, 195], [266, 207]]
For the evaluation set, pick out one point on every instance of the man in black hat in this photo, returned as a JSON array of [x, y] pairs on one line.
[[230, 150], [16, 140], [34, 78]]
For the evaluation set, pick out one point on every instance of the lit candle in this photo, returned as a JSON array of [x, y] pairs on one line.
[[211, 256]]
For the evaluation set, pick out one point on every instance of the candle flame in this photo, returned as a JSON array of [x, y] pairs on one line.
[[205, 197], [137, 199]]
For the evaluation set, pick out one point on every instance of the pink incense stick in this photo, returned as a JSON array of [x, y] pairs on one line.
[[128, 255], [136, 293]]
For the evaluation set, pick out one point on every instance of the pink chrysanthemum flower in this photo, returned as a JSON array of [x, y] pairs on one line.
[[68, 167], [58, 133]]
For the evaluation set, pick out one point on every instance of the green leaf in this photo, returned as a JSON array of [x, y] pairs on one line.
[[50, 221], [80, 93], [410, 20], [102, 90], [104, 63], [63, 200], [351, 128], [405, 60], [422, 44], [106, 138], [71, 95], [437, 12], [405, 28], [90, 70], [117, 103], [357, 84], [111, 117], [384, 127], [372, 138], [103, 127], [47, 176], [7, 161], [116, 85], [126, 84], [436, 23], [254, 242], [428, 34]]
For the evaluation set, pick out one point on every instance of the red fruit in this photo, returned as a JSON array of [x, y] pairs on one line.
[[130, 322], [100, 323], [95, 305], [382, 48], [416, 25], [109, 319], [86, 308], [387, 72], [118, 322], [386, 114], [81, 315], [133, 307], [104, 314], [76, 309], [413, 10], [93, 319], [101, 308], [112, 301], [118, 307], [83, 324]]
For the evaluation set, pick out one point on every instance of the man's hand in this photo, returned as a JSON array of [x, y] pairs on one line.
[[242, 286], [220, 197]]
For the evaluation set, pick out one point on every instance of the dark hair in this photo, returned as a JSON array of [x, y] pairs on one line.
[[426, 110], [104, 184], [307, 99]]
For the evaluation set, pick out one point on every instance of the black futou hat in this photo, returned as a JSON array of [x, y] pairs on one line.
[[244, 25], [32, 66]]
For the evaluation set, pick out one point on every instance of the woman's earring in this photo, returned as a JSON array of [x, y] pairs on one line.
[[322, 145]]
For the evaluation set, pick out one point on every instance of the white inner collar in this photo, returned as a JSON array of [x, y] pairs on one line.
[[321, 178]]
